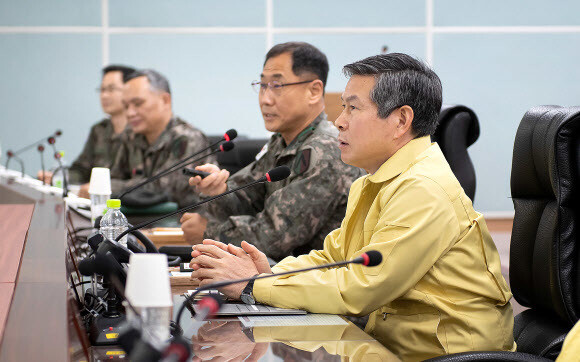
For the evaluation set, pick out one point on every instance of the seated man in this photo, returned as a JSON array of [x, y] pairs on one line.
[[292, 216], [158, 139], [439, 288], [104, 139]]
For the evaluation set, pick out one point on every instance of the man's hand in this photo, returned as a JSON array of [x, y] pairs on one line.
[[260, 259], [212, 185], [225, 341], [193, 226], [212, 264], [84, 191], [46, 176]]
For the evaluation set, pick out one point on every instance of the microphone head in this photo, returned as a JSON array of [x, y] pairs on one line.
[[87, 266], [278, 174], [230, 134], [58, 133], [227, 146], [212, 302], [40, 148], [51, 140], [9, 153], [372, 258], [95, 240], [57, 155], [179, 348]]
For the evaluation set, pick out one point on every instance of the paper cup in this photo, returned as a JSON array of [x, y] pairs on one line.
[[100, 181]]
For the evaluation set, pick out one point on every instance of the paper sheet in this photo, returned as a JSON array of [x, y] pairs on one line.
[[292, 320]]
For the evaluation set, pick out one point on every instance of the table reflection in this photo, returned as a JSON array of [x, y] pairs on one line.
[[229, 340]]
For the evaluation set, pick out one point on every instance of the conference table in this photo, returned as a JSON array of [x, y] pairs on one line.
[[40, 317]]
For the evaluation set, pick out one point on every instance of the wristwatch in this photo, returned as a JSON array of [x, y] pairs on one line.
[[248, 293]]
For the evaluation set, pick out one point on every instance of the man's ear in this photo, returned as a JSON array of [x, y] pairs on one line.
[[405, 116], [316, 91], [166, 98]]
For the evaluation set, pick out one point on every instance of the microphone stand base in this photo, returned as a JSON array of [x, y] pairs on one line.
[[105, 331]]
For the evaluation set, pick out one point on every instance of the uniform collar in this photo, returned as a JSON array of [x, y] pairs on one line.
[[161, 141], [401, 160], [302, 136]]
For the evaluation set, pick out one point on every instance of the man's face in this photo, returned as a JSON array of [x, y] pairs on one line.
[[365, 140], [112, 93], [145, 108], [283, 109]]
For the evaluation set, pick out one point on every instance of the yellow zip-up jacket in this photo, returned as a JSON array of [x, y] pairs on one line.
[[439, 288]]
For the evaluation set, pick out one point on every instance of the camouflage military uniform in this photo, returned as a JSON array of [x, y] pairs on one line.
[[137, 160], [292, 216], [100, 151]]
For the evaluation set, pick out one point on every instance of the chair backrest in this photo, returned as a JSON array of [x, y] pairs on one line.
[[457, 130], [243, 153], [545, 188]]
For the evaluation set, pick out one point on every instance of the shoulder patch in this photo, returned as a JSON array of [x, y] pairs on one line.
[[262, 152], [302, 162], [178, 148]]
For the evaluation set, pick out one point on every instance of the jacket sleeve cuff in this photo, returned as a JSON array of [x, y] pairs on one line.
[[263, 290]]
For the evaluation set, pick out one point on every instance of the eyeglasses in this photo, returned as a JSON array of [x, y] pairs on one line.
[[109, 89], [274, 86]]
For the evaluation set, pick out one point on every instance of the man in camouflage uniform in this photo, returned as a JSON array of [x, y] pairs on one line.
[[157, 141], [104, 138], [292, 216]]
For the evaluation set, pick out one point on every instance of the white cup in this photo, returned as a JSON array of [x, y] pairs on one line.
[[149, 291], [100, 191], [100, 181]]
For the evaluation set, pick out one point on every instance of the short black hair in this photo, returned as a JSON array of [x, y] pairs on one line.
[[157, 80], [403, 80], [305, 58], [125, 70]]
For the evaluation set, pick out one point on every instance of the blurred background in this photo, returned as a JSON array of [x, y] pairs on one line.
[[497, 57]]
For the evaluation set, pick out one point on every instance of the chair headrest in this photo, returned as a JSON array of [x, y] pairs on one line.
[[546, 156], [448, 111]]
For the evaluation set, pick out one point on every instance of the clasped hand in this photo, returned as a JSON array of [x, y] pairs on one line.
[[214, 261]]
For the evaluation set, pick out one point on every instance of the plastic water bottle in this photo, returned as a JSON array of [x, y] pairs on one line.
[[60, 173], [114, 222]]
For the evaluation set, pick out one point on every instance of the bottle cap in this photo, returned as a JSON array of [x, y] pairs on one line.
[[113, 203]]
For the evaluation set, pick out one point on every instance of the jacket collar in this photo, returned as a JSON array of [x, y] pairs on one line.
[[404, 158]]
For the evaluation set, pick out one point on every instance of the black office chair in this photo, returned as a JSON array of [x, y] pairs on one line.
[[244, 152], [544, 257], [242, 155], [457, 130]]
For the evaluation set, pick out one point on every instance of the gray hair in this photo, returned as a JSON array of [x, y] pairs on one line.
[[157, 81], [403, 80]]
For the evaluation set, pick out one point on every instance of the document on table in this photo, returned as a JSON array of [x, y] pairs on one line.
[[292, 320]]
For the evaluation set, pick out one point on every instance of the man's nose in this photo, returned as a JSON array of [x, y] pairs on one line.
[[266, 97], [340, 121]]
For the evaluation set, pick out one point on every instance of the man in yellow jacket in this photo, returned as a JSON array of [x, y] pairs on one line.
[[439, 289]]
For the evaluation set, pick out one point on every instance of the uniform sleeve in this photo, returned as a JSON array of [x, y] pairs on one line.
[[121, 170], [414, 228], [291, 216], [80, 170], [244, 202]]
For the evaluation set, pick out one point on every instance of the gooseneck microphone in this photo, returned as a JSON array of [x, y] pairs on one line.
[[225, 147], [40, 149], [276, 174], [18, 159], [370, 258], [62, 169], [11, 154]]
